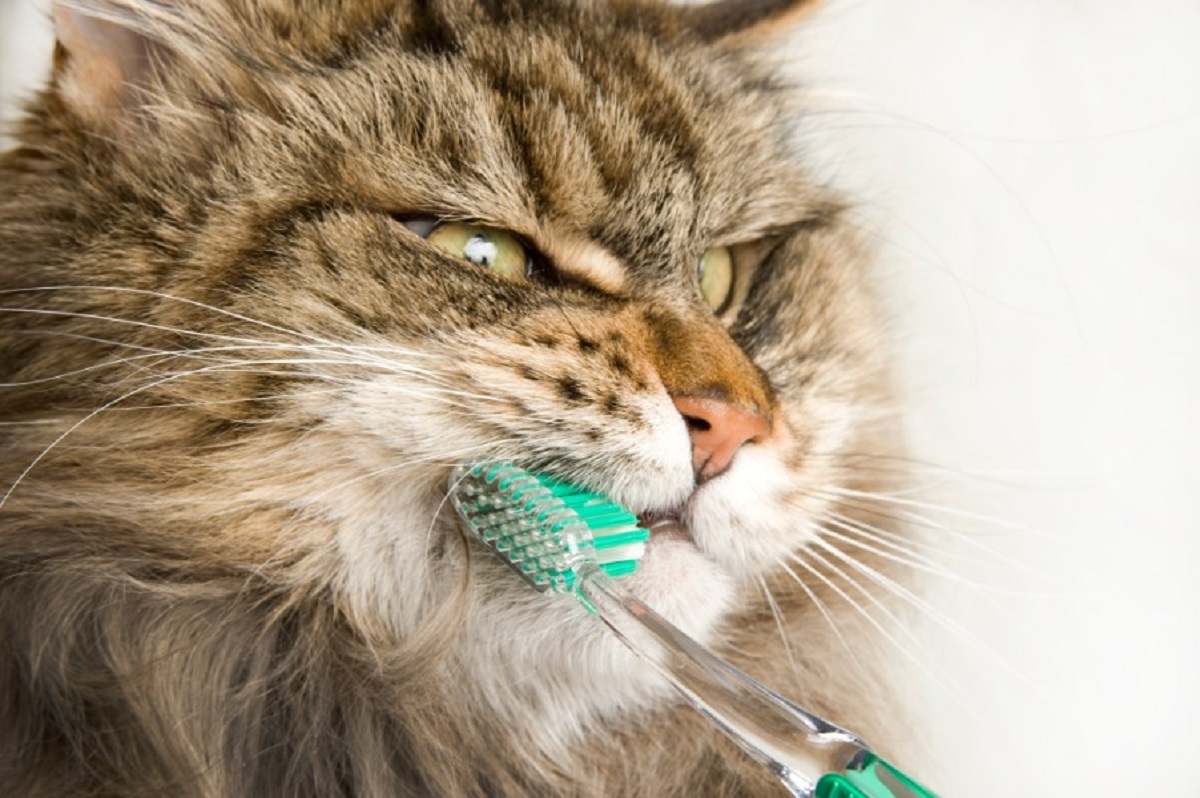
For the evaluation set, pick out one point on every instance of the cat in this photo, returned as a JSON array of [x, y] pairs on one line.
[[270, 268]]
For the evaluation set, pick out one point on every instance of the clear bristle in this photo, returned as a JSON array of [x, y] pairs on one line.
[[544, 528]]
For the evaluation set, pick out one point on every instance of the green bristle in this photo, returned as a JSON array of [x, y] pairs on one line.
[[610, 540], [621, 568]]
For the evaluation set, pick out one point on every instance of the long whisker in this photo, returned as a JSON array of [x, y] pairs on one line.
[[237, 366], [160, 295], [908, 516], [850, 650], [446, 457], [201, 403], [860, 529], [909, 543], [913, 503], [72, 314], [777, 614], [885, 549], [123, 397], [944, 680], [63, 436], [383, 349], [81, 337], [153, 355], [362, 350], [933, 613]]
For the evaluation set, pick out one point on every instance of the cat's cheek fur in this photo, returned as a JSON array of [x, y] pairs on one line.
[[552, 669], [388, 456], [661, 452], [548, 670], [383, 571]]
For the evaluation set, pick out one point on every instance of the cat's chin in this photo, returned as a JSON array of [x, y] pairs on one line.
[[683, 584]]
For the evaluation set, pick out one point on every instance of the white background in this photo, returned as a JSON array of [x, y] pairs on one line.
[[1030, 172]]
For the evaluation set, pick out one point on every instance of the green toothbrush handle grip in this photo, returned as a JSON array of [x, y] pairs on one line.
[[871, 778]]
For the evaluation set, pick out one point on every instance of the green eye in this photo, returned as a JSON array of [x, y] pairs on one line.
[[488, 247], [716, 277]]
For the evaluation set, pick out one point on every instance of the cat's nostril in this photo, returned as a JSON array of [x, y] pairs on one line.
[[717, 430]]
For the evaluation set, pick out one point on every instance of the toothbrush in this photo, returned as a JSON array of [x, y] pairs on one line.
[[563, 539]]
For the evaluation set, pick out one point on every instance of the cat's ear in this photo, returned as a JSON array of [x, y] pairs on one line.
[[749, 21], [104, 57]]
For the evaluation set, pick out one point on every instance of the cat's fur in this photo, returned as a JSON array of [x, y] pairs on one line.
[[235, 385]]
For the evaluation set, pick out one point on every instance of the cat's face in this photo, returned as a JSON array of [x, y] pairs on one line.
[[462, 235]]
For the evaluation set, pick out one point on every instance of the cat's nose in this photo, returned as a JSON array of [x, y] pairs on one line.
[[718, 430]]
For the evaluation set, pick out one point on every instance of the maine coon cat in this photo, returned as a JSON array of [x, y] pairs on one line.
[[270, 268]]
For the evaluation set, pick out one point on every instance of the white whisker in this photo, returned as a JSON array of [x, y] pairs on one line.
[[943, 680], [943, 620], [445, 457], [925, 564], [70, 314], [897, 550], [201, 403], [908, 516], [850, 650], [62, 436], [912, 503], [160, 295], [777, 614]]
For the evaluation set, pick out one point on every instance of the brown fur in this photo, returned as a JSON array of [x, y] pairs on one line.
[[174, 612]]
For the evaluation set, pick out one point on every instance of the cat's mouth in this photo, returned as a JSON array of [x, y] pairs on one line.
[[665, 525]]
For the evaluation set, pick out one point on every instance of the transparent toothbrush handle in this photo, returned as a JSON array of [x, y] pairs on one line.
[[810, 756]]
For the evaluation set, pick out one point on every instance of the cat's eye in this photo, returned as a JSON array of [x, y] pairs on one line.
[[715, 273], [488, 247]]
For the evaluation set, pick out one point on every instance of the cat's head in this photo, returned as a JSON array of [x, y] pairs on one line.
[[360, 242]]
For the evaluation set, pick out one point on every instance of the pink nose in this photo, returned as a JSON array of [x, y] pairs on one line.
[[718, 430]]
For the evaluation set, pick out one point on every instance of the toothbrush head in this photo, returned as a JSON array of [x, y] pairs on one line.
[[543, 528]]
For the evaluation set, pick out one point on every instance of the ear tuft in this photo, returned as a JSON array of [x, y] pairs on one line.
[[745, 19], [103, 57]]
